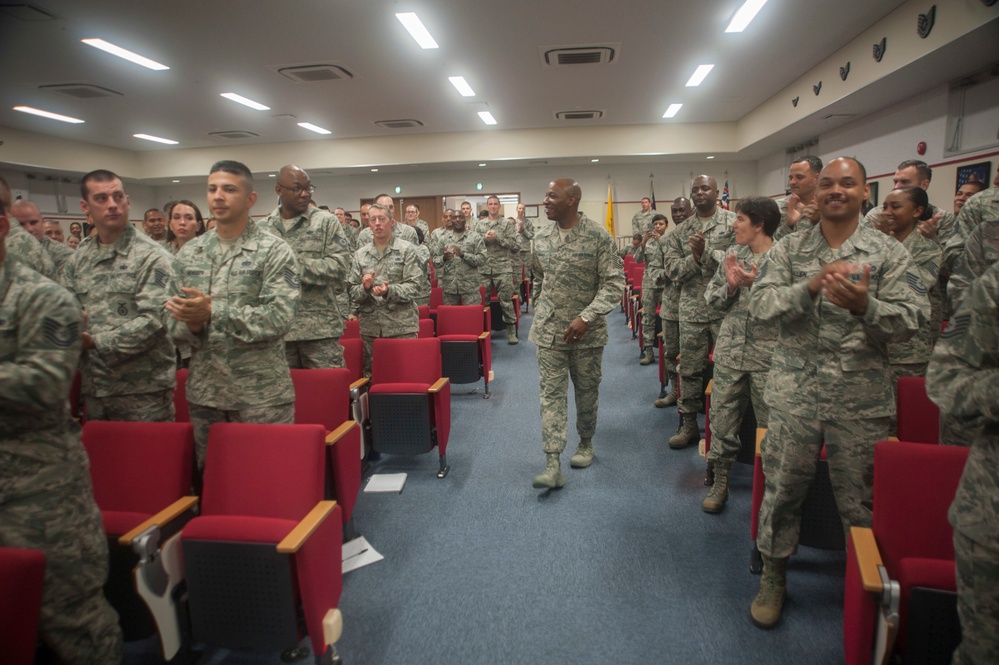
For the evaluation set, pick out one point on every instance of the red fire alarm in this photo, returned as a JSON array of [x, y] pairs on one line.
[[921, 148]]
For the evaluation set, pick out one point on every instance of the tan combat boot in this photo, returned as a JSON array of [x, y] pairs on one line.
[[669, 399], [688, 435], [714, 502], [583, 456], [551, 477], [765, 610], [511, 336], [647, 357]]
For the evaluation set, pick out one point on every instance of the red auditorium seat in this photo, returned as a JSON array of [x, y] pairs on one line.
[[22, 574], [918, 417], [466, 353]]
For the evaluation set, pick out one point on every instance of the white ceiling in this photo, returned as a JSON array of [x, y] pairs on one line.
[[237, 46]]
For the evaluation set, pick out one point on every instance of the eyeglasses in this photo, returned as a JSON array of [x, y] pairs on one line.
[[298, 189]]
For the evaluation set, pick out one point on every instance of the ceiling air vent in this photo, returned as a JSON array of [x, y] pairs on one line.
[[596, 54], [404, 123], [235, 134], [81, 90], [315, 73], [579, 115]]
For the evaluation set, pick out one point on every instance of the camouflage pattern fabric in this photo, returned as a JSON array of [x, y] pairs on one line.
[[556, 365], [400, 230], [926, 256], [154, 407], [981, 250], [732, 391], [459, 276], [314, 353], [23, 247], [979, 208], [654, 280], [46, 501], [58, 252], [783, 229], [497, 250], [641, 222], [203, 417], [123, 289]]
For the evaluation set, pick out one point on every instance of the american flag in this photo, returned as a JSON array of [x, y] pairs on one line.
[[725, 195]]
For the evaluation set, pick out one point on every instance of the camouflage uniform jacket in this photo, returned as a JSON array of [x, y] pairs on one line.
[[395, 313], [39, 349], [744, 343], [655, 276], [435, 240], [498, 250], [461, 273], [582, 276], [642, 222], [693, 276], [981, 207], [527, 234], [783, 229], [926, 256], [963, 379], [23, 246], [980, 251], [945, 227], [399, 230], [238, 359], [423, 226], [351, 234], [123, 290], [323, 254], [829, 364], [58, 252]]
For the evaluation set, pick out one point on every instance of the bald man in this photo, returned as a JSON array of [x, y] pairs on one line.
[[31, 220], [323, 253], [578, 281], [21, 246]]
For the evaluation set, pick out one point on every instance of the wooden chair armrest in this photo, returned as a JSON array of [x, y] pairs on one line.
[[868, 558], [711, 384], [360, 383], [659, 334], [340, 431], [892, 438], [294, 540], [483, 335], [760, 433], [438, 385], [168, 514]]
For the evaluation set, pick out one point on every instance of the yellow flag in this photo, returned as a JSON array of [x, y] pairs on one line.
[[610, 211]]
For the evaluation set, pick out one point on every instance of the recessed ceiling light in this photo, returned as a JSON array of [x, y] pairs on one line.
[[594, 160], [48, 114], [239, 99], [699, 74], [461, 86], [711, 156], [314, 128], [672, 110], [482, 164], [415, 26], [155, 139], [398, 189], [374, 170], [108, 47], [272, 175], [176, 181], [745, 14], [487, 117]]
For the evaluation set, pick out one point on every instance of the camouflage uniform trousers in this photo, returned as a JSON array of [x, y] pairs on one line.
[[368, 342], [790, 452], [671, 347], [77, 622], [696, 340], [145, 407], [977, 601], [731, 392], [463, 298], [314, 353], [650, 300], [897, 371], [954, 431], [555, 367], [504, 292], [203, 417]]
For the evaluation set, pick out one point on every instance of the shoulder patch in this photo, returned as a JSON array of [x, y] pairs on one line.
[[915, 283], [343, 242], [59, 334], [957, 326], [293, 279], [933, 267]]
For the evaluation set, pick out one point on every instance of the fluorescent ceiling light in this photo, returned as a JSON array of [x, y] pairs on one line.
[[672, 110], [745, 14], [711, 156], [374, 170], [272, 175], [48, 114], [314, 128], [415, 26], [108, 47], [461, 86], [155, 139], [594, 160], [483, 164], [239, 99], [699, 74], [176, 181], [487, 117]]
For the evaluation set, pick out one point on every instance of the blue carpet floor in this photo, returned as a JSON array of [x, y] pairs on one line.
[[620, 566]]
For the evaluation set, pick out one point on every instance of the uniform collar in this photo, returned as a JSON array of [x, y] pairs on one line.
[[122, 246]]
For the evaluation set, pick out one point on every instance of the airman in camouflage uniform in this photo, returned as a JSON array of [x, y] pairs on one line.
[[399, 230], [384, 283], [745, 343], [241, 290], [412, 218], [460, 254], [979, 208], [669, 313], [323, 254], [46, 500], [525, 234], [641, 221], [693, 251], [23, 247], [653, 282], [963, 379], [497, 272], [31, 220], [799, 204], [437, 235], [121, 279], [916, 173], [578, 281], [842, 293]]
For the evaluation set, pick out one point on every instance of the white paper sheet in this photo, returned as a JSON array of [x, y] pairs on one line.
[[359, 553], [386, 482]]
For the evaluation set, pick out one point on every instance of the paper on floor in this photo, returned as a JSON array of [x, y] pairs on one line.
[[386, 482], [358, 553]]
